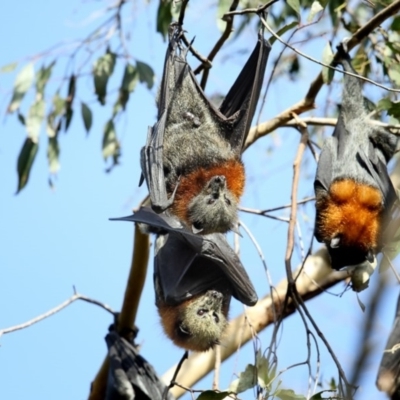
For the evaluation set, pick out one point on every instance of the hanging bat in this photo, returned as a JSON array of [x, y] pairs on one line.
[[191, 160], [388, 379], [195, 277], [355, 197], [130, 376]]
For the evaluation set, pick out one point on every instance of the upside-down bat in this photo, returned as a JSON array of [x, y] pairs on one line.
[[130, 376], [191, 160], [388, 379], [195, 277], [355, 197]]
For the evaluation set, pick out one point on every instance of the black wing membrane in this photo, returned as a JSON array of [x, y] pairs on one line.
[[187, 264], [233, 117], [388, 379], [130, 376]]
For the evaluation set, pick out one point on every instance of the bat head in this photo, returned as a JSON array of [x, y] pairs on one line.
[[214, 209], [198, 323]]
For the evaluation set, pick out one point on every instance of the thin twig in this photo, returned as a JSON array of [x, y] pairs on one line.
[[215, 384], [55, 310], [173, 380], [324, 64], [258, 10], [225, 35]]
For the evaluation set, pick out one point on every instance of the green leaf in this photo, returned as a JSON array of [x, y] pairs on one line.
[[25, 160], [396, 24], [295, 5], [164, 17], [8, 67], [22, 83], [289, 394], [86, 116], [34, 119], [146, 74], [212, 395], [263, 373], [394, 73], [246, 380], [130, 78], [42, 77], [316, 7], [102, 70], [318, 396], [69, 113], [327, 57], [110, 142], [53, 152], [283, 30], [384, 104]]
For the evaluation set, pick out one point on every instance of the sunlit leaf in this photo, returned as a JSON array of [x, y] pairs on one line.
[[146, 74], [283, 30], [327, 57], [102, 70], [394, 73], [34, 119], [53, 152], [22, 83], [316, 7], [130, 78], [25, 161], [246, 380], [8, 68], [86, 116], [384, 104], [295, 4], [42, 77], [212, 395], [288, 394], [318, 396], [110, 141], [263, 373], [164, 17]]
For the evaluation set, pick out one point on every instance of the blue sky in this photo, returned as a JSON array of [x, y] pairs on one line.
[[52, 239]]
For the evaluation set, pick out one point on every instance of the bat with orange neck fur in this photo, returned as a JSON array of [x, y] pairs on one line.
[[191, 161], [195, 277], [355, 197]]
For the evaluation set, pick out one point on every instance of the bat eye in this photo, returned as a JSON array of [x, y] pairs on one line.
[[201, 312], [197, 227], [227, 201], [211, 201], [216, 318]]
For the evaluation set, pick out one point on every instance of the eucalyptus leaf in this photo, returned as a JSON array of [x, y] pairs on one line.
[[86, 116], [164, 17], [53, 152], [42, 77], [25, 161], [246, 380], [327, 57], [110, 142], [288, 394], [8, 68], [102, 70], [295, 5], [22, 83], [34, 119], [281, 31], [212, 395], [316, 7], [146, 74]]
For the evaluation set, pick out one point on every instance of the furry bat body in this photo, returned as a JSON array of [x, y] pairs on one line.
[[191, 161], [354, 194], [388, 379], [195, 277]]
